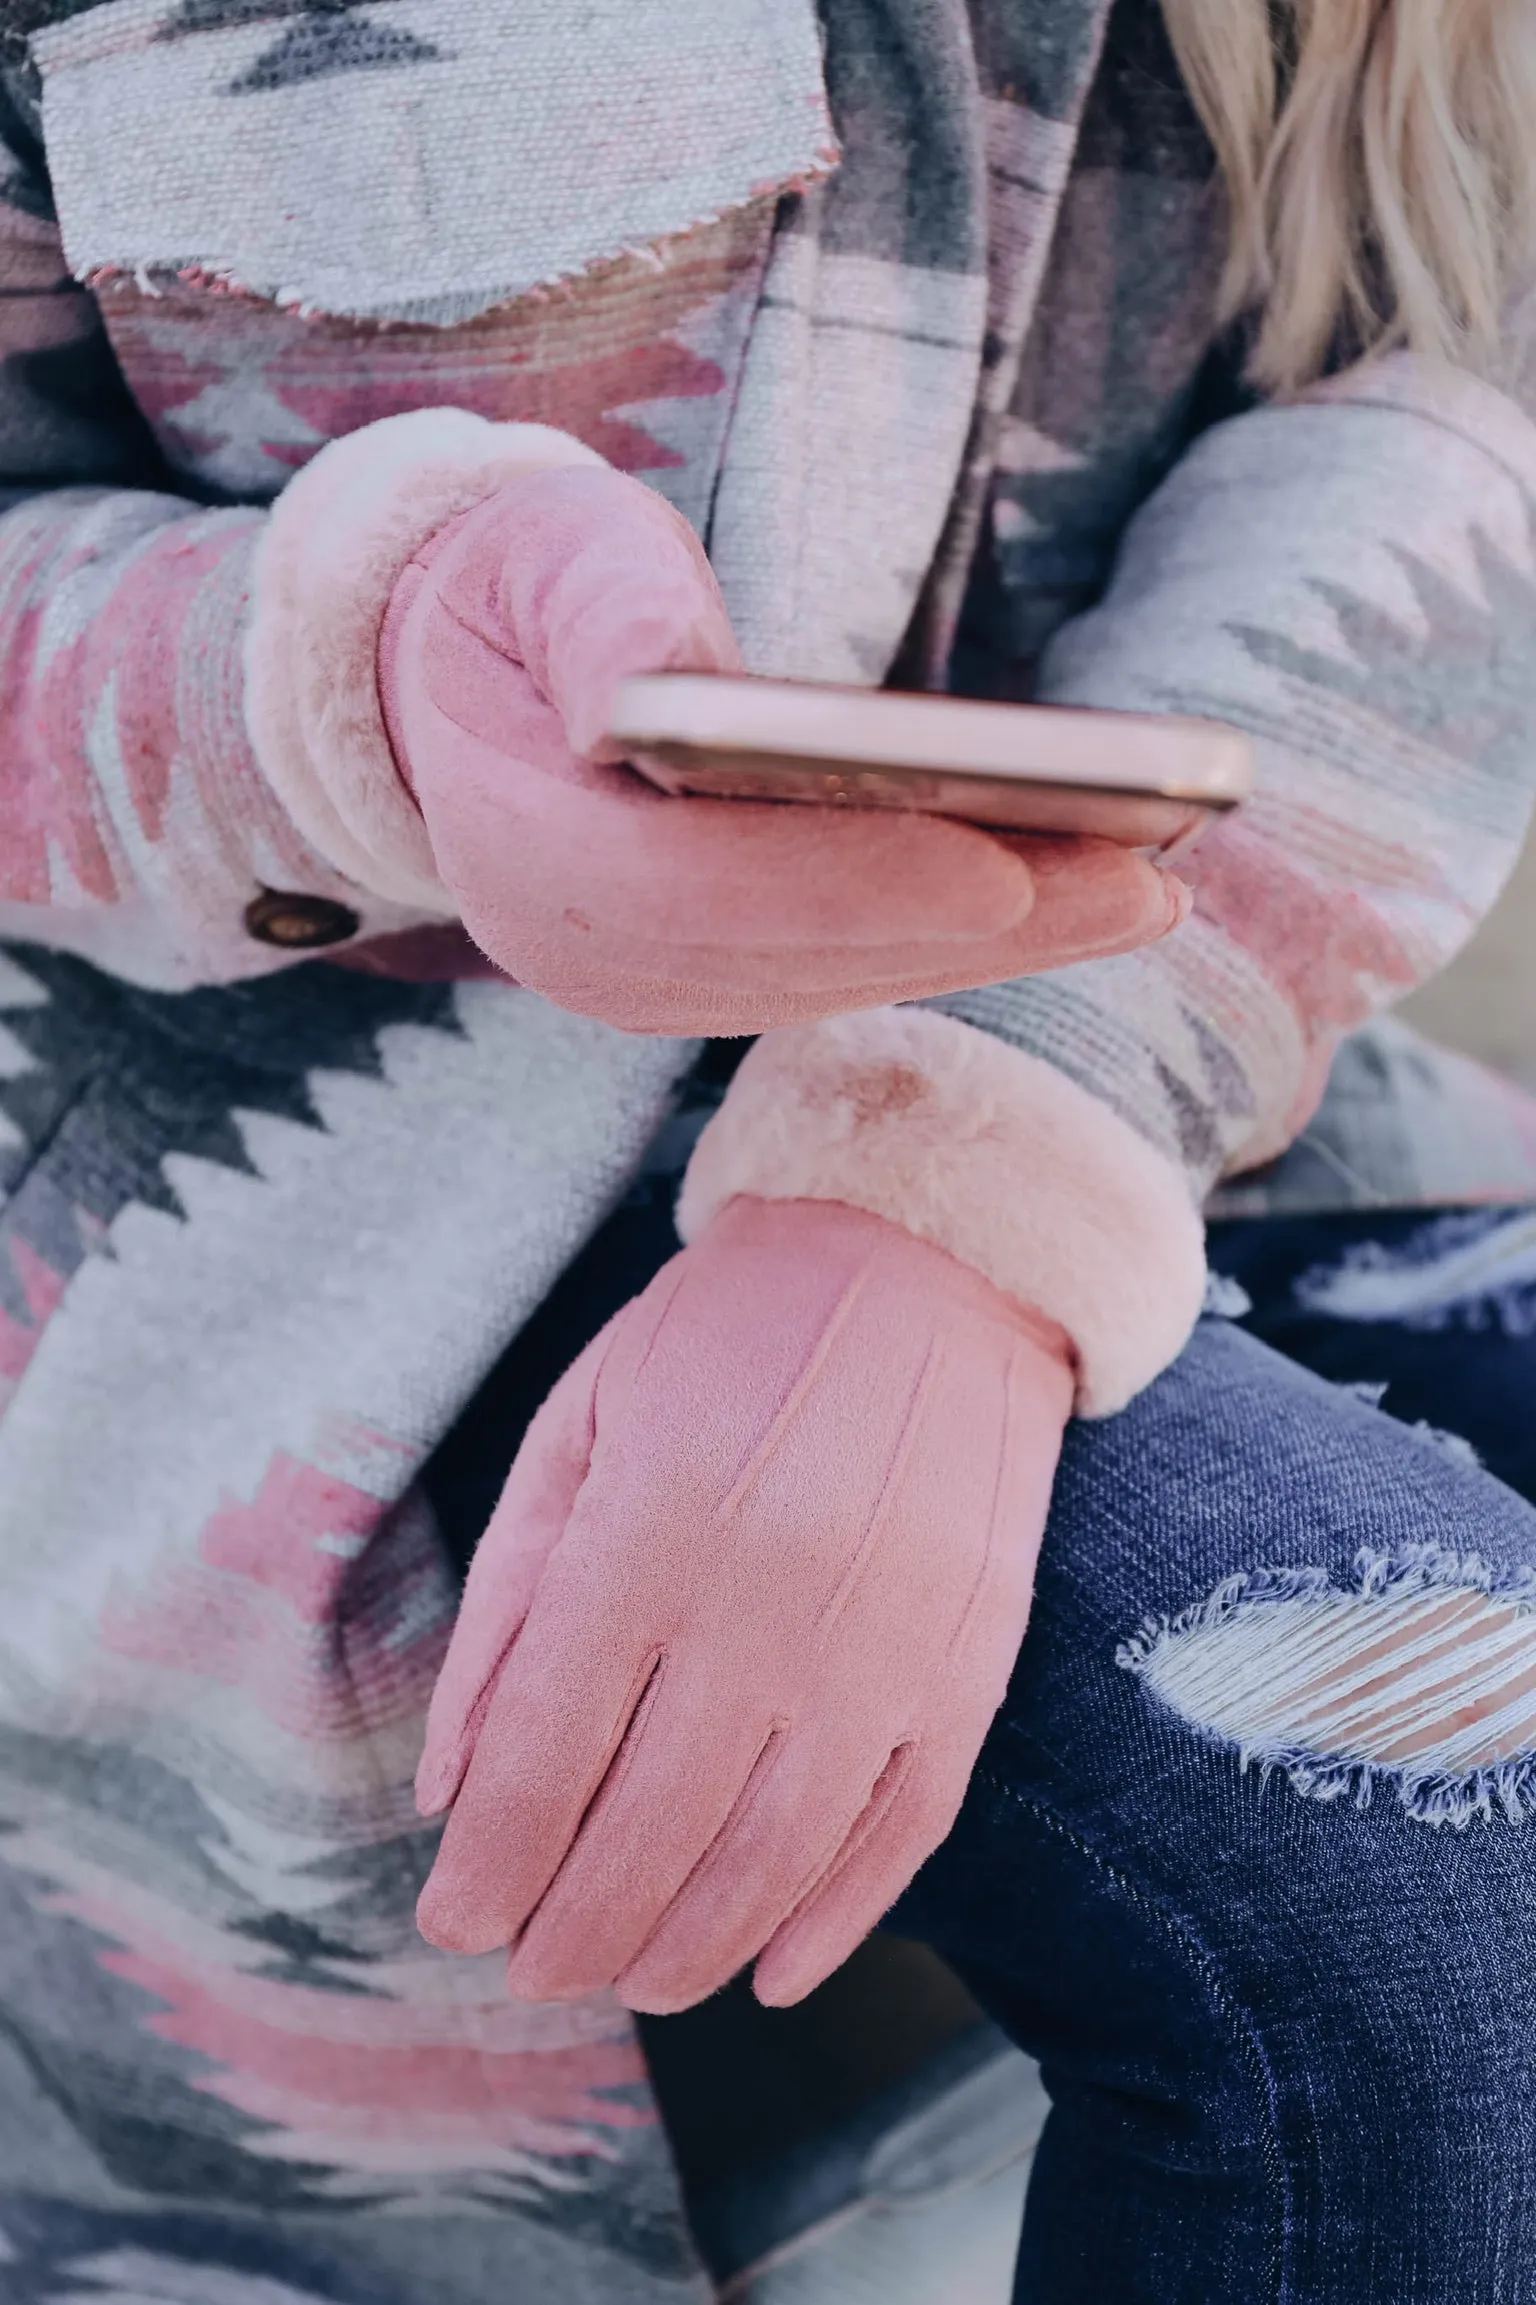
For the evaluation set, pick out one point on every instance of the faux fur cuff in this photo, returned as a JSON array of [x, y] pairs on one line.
[[990, 1154], [336, 541]]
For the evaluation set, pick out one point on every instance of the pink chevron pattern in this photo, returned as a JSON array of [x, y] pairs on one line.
[[326, 1607], [42, 1289], [424, 2071], [243, 391], [127, 779], [1328, 946]]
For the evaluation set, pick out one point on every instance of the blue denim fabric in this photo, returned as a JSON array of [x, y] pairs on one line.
[[1446, 1335], [1289, 2041]]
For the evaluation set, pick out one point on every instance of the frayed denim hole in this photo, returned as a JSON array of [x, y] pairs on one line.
[[1472, 1270], [1421, 1677]]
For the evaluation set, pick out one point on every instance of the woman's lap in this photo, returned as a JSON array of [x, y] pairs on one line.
[[1283, 2016], [1284, 2025]]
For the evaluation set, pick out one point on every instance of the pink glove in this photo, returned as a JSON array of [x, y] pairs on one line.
[[500, 652], [751, 1597]]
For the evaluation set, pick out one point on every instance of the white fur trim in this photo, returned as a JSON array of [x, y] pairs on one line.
[[336, 542], [988, 1153]]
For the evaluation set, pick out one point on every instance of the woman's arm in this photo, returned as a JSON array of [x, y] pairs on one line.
[[1352, 578], [197, 781], [135, 824], [792, 1466]]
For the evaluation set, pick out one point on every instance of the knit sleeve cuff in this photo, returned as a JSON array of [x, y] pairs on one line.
[[336, 543], [988, 1153]]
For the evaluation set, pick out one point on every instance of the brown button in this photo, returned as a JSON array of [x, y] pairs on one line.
[[301, 923]]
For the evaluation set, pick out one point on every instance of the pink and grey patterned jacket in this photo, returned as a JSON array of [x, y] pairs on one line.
[[906, 305], [885, 321]]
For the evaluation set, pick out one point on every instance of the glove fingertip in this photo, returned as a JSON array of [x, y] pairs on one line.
[[805, 1950], [435, 1926], [787, 1974], [1181, 900], [663, 2001], [438, 1778], [443, 1921], [431, 1798]]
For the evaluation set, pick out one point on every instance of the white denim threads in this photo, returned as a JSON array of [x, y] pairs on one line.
[[1423, 1675]]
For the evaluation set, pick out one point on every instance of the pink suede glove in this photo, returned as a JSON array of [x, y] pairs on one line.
[[500, 652], [751, 1597]]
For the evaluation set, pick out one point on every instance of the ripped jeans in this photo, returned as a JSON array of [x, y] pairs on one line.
[[1249, 1859]]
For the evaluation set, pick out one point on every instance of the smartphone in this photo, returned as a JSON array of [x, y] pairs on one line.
[[1149, 781]]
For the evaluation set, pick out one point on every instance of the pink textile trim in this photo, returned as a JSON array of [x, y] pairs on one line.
[[984, 1151]]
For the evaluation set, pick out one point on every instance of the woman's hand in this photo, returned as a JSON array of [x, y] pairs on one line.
[[751, 1597], [500, 653]]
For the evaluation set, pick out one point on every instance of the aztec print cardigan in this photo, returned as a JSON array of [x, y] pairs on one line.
[[905, 304]]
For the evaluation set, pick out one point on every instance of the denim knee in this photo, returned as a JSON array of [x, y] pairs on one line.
[[1249, 1859]]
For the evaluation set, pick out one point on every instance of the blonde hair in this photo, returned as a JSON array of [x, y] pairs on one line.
[[1380, 162]]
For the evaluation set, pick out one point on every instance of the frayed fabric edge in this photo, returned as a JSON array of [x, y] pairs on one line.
[[447, 308], [1504, 1788]]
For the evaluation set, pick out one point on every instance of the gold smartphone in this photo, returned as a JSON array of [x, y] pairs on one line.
[[1148, 781]]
